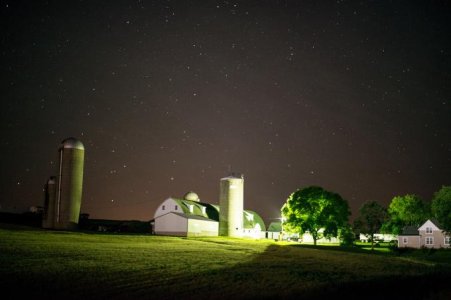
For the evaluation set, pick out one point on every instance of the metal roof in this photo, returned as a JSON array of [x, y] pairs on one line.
[[195, 217], [72, 143], [275, 227], [211, 211]]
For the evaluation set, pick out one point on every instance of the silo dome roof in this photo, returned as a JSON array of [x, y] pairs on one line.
[[191, 196], [72, 143]]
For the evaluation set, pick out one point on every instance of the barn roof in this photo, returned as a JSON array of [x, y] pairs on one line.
[[194, 217], [275, 227], [251, 219], [211, 211]]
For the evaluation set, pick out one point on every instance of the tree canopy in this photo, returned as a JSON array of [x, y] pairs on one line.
[[372, 216], [441, 207], [315, 210], [403, 211]]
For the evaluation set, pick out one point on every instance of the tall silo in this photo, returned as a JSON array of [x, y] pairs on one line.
[[48, 219], [70, 183], [231, 206]]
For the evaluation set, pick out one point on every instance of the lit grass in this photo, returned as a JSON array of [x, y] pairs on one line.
[[73, 265]]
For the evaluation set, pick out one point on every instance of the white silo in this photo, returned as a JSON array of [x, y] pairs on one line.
[[231, 206], [48, 219], [70, 184]]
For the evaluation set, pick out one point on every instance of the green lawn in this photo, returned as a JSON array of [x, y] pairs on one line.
[[52, 264]]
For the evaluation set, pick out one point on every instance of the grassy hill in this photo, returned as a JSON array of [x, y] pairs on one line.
[[39, 263]]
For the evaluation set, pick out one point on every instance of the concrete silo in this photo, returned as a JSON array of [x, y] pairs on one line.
[[48, 219], [70, 183], [231, 206]]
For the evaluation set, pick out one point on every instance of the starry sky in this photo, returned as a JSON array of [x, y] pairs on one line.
[[169, 96]]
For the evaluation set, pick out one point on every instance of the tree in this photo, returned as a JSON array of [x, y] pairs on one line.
[[346, 235], [372, 216], [441, 207], [313, 209], [403, 211]]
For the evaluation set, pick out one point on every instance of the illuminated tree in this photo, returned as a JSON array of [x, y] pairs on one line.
[[372, 216], [441, 207], [403, 211], [317, 211]]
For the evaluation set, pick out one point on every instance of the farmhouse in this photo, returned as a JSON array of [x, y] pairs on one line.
[[189, 216], [427, 235]]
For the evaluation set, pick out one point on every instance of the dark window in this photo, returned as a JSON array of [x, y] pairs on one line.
[[163, 208]]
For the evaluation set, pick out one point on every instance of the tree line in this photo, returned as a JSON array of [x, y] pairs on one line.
[[326, 214]]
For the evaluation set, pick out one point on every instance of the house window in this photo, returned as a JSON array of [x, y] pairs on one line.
[[428, 229], [447, 240], [429, 240], [176, 207], [204, 210], [404, 240], [163, 208], [191, 208]]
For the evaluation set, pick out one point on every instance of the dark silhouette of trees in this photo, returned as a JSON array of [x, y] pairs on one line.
[[371, 217], [441, 207]]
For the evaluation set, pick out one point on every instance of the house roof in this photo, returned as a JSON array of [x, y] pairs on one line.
[[410, 230], [435, 222]]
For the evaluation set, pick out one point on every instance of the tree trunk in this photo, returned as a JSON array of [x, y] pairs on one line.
[[372, 242], [315, 237]]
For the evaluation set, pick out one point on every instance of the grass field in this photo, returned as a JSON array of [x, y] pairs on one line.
[[38, 263]]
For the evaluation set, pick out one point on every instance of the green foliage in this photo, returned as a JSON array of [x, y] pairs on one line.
[[403, 211], [372, 216], [346, 235], [313, 209], [441, 207]]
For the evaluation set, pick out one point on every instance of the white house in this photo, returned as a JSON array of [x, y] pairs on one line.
[[427, 235]]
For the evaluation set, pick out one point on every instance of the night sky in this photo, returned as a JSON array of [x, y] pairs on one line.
[[169, 96]]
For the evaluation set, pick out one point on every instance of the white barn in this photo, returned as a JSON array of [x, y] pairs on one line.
[[180, 224], [190, 217]]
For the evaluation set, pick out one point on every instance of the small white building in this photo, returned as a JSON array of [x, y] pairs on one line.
[[428, 235], [274, 231], [308, 239], [378, 237]]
